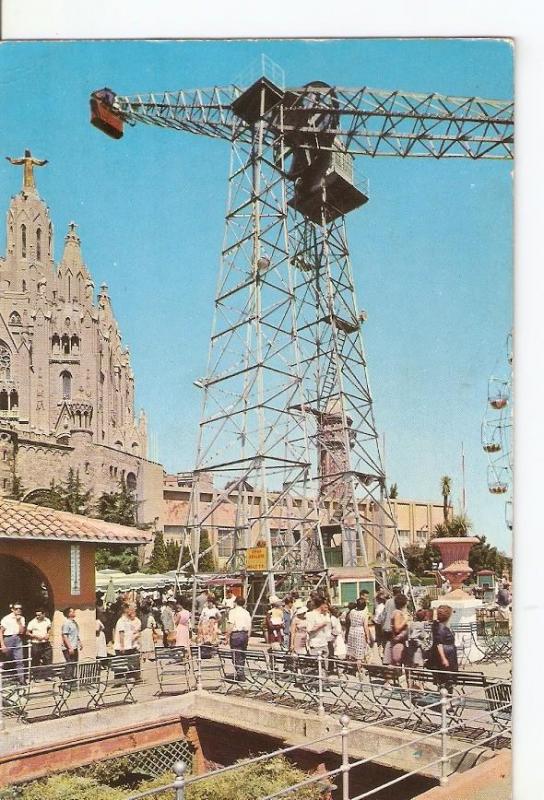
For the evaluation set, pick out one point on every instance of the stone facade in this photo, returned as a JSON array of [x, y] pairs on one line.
[[66, 382]]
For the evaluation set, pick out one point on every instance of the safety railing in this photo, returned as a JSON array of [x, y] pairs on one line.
[[306, 682], [442, 736]]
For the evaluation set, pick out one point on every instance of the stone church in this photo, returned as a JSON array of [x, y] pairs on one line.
[[66, 383]]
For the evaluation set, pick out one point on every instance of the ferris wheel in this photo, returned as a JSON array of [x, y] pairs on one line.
[[497, 431]]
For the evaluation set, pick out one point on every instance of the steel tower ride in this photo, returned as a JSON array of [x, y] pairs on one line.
[[287, 426]]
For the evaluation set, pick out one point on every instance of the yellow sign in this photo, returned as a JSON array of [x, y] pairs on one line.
[[256, 559]]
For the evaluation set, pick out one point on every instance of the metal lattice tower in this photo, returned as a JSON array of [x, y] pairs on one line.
[[287, 426]]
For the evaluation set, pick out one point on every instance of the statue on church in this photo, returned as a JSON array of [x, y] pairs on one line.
[[28, 162]]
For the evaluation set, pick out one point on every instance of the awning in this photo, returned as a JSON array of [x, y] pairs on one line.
[[135, 580]]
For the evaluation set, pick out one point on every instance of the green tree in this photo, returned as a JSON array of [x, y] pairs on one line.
[[431, 556], [120, 506], [159, 559], [207, 561], [485, 556], [118, 556], [393, 491], [415, 559], [445, 488], [172, 554], [74, 498]]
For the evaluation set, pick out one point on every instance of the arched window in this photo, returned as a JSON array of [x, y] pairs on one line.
[[55, 343], [4, 400], [5, 362], [39, 244], [131, 482], [15, 318], [66, 385], [13, 399], [74, 344], [23, 241], [65, 341]]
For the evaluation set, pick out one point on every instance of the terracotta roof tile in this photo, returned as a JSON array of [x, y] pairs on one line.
[[27, 521]]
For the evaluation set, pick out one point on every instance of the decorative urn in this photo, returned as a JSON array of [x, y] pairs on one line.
[[454, 551]]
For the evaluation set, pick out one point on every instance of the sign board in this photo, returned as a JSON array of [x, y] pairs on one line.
[[256, 559], [75, 569]]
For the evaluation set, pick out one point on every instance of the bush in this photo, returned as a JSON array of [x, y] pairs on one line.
[[250, 782], [70, 787]]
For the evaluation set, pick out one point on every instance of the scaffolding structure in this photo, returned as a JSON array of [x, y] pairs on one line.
[[287, 435]]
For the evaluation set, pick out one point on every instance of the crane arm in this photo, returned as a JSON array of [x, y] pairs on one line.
[[363, 121], [202, 111]]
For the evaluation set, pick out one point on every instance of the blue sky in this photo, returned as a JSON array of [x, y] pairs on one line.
[[431, 251]]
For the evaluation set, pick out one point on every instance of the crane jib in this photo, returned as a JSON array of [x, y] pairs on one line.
[[318, 116]]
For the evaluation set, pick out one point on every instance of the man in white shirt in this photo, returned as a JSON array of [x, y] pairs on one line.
[[38, 631], [319, 628], [239, 622], [125, 640], [127, 632], [12, 629]]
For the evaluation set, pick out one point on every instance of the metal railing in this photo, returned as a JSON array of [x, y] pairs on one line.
[[311, 674], [343, 772]]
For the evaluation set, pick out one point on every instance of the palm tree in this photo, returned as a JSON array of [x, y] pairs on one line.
[[458, 525], [445, 486]]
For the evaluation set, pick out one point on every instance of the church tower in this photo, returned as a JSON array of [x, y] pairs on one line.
[[66, 381]]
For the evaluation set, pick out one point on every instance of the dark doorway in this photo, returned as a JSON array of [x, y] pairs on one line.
[[22, 582]]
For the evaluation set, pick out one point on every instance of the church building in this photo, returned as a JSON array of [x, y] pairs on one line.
[[66, 382]]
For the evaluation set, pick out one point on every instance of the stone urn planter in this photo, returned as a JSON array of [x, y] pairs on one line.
[[454, 551]]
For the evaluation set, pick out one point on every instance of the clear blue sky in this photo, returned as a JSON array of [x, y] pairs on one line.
[[432, 250]]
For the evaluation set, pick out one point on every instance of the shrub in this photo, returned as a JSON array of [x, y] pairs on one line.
[[70, 787], [250, 782]]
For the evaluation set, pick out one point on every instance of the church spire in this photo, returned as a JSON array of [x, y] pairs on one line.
[[72, 248]]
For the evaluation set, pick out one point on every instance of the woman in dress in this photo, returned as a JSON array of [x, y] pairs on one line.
[[396, 645], [299, 634], [359, 634], [443, 651], [208, 627], [147, 637], [182, 621]]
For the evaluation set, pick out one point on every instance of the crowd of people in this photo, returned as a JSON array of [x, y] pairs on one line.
[[389, 634], [314, 626]]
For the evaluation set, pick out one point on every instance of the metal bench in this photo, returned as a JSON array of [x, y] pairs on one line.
[[174, 670], [82, 677], [14, 692], [499, 698], [226, 671], [425, 686], [391, 699], [121, 676]]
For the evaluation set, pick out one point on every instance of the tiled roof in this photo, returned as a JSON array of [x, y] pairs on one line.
[[27, 521]]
